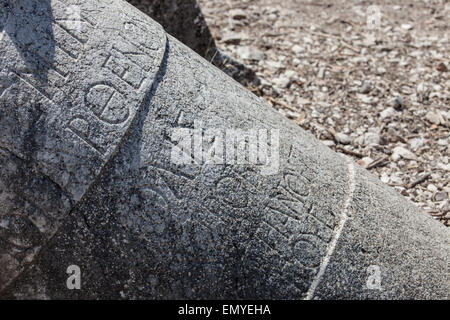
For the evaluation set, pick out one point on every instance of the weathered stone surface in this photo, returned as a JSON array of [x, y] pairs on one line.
[[87, 178], [67, 100]]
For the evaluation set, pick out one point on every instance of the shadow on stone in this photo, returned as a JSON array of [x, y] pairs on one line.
[[184, 20], [29, 24]]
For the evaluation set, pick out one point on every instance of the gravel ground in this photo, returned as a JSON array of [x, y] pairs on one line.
[[370, 79]]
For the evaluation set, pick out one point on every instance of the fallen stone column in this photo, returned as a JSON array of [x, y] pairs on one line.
[[131, 168]]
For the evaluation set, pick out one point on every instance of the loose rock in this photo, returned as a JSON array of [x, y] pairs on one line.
[[342, 138], [404, 153], [433, 117], [387, 113], [238, 14], [250, 53]]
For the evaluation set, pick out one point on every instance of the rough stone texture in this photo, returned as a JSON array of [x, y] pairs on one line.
[[184, 20], [60, 121], [351, 77], [86, 178]]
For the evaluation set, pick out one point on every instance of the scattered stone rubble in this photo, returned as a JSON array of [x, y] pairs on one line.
[[380, 94]]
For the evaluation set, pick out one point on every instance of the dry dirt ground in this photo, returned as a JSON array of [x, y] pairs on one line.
[[370, 79]]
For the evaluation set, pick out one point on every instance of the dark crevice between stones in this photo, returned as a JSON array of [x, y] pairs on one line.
[[184, 20]]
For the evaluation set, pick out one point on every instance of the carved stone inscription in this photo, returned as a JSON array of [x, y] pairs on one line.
[[69, 90]]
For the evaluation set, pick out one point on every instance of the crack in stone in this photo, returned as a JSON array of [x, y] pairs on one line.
[[337, 232]]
